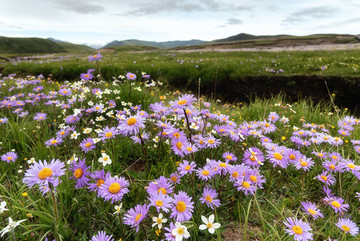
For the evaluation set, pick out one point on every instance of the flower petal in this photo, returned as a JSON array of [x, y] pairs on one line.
[[204, 219], [202, 227], [211, 218]]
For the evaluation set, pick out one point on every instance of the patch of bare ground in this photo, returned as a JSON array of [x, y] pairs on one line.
[[235, 232]]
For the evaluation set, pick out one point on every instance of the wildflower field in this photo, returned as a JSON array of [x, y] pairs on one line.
[[117, 156]]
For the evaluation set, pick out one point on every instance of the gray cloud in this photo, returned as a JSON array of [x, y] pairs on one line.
[[82, 7], [161, 6], [309, 13], [234, 21]]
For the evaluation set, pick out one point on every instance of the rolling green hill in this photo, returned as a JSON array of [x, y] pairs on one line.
[[38, 46], [166, 44]]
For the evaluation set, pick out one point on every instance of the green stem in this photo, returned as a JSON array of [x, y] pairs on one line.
[[55, 212]]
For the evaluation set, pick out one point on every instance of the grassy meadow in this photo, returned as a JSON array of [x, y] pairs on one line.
[[120, 154]]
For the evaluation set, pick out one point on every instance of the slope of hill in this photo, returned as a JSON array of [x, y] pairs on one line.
[[166, 44], [29, 45], [72, 48]]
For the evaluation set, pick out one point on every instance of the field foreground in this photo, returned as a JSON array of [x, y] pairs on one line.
[[128, 159]]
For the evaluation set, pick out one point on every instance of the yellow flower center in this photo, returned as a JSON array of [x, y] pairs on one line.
[[179, 145], [78, 173], [159, 203], [188, 167], [209, 225], [229, 157], [246, 185], [351, 166], [114, 188], [297, 229], [9, 158], [99, 182], [267, 124], [53, 142], [312, 212], [345, 228], [332, 167], [320, 154], [278, 156], [221, 130], [222, 164], [205, 172], [253, 178], [44, 173], [335, 204], [334, 157], [159, 221], [189, 149], [292, 157], [131, 121], [87, 145], [181, 206], [303, 163], [324, 177], [95, 56], [180, 231], [211, 141], [62, 133], [138, 216], [235, 174], [176, 135], [109, 134], [161, 189], [182, 102], [252, 158], [173, 178], [208, 199], [86, 76]]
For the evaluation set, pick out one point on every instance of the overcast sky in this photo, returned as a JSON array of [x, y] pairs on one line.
[[99, 22]]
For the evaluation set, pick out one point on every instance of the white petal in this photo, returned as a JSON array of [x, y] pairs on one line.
[[202, 227], [179, 238], [160, 226], [160, 215], [211, 230], [211, 218], [178, 225], [154, 219], [186, 234], [216, 225], [164, 220], [174, 232], [204, 219], [154, 224]]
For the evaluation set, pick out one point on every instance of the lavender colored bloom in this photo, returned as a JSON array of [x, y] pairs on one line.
[[209, 196], [114, 189], [348, 226], [88, 75], [179, 144], [299, 229], [229, 156], [99, 177], [40, 116], [3, 120], [310, 209], [277, 157], [253, 157], [95, 57], [212, 142], [304, 163], [337, 204], [160, 201], [136, 215], [130, 76], [80, 173], [186, 168], [9, 157], [184, 100], [326, 178], [54, 141], [65, 92], [273, 117], [43, 173], [87, 145], [131, 125], [102, 236], [108, 133], [205, 173], [168, 235], [160, 185], [245, 186], [183, 207]]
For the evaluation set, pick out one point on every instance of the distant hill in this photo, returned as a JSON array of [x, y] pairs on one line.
[[167, 44], [72, 48], [38, 46], [252, 41]]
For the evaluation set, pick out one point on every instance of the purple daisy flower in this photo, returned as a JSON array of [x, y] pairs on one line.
[[88, 75], [102, 236], [337, 204], [348, 226], [326, 178], [304, 163], [245, 186], [160, 201], [277, 157], [229, 156], [65, 92], [113, 189], [299, 229], [80, 173], [204, 173], [130, 76], [87, 145], [186, 168], [310, 209], [273, 117], [99, 177], [160, 185], [43, 173], [168, 235], [209, 196], [178, 145], [40, 116], [95, 57], [253, 157], [184, 100], [212, 142], [183, 207], [136, 215], [349, 166], [4, 120], [54, 141], [175, 178], [131, 125], [108, 133], [9, 157]]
